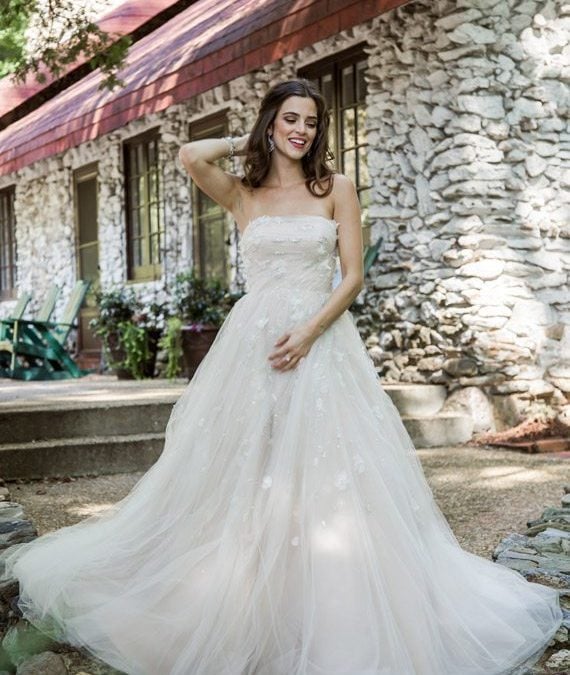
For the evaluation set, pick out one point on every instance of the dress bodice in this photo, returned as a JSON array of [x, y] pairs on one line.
[[289, 252]]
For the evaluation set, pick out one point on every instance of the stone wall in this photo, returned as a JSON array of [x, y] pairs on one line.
[[470, 146], [469, 139]]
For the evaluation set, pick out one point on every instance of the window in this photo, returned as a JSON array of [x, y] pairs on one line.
[[210, 221], [341, 81], [145, 221], [7, 244]]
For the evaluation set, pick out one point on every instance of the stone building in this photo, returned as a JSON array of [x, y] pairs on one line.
[[451, 116]]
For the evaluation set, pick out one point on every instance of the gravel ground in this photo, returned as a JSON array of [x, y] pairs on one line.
[[484, 494]]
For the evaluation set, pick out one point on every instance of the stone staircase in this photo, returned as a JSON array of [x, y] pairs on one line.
[[55, 435], [420, 406], [79, 439]]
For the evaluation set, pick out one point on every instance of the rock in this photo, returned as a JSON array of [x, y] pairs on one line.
[[16, 532], [469, 33], [10, 511], [459, 155], [524, 107], [486, 106], [24, 640], [558, 661], [46, 663], [455, 19], [473, 401], [376, 353], [535, 165], [460, 366], [390, 280], [484, 269]]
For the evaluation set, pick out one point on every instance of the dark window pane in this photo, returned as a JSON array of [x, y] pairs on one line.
[[153, 186], [87, 210], [348, 128], [360, 125], [364, 198], [209, 218], [361, 67], [343, 86], [152, 154], [363, 175], [7, 242], [327, 89], [88, 262], [145, 208], [349, 165], [154, 225], [155, 255], [140, 163], [135, 229], [347, 86]]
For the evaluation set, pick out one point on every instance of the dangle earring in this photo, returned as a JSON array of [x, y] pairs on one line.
[[271, 143]]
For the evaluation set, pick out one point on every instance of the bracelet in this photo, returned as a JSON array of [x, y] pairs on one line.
[[232, 150]]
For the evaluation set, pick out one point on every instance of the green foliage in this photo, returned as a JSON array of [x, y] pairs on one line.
[[115, 307], [200, 301], [12, 40], [134, 340], [124, 323], [171, 342], [66, 35]]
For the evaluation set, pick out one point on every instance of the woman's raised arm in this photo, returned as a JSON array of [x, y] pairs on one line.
[[199, 157]]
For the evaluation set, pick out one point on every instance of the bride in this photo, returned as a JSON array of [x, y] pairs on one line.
[[287, 527]]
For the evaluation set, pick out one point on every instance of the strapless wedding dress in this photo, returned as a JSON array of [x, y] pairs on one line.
[[287, 527]]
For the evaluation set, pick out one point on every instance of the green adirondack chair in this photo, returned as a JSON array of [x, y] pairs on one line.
[[37, 348], [43, 314], [17, 313]]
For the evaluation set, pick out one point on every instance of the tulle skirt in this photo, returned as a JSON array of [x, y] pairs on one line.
[[286, 529]]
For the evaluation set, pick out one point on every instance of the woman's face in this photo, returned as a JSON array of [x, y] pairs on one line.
[[295, 126]]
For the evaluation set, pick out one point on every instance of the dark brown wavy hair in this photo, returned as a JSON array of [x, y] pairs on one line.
[[315, 162]]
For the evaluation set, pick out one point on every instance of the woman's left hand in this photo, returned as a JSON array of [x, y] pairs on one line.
[[291, 348]]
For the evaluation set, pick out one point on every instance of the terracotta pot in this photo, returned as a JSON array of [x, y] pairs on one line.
[[117, 355], [154, 335], [195, 345]]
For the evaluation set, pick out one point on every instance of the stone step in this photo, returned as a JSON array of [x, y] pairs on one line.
[[69, 420], [80, 456], [137, 452], [416, 400], [439, 430], [77, 438]]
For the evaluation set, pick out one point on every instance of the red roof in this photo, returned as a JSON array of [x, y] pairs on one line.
[[121, 20], [210, 42]]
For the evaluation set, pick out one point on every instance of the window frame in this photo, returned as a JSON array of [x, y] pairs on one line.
[[149, 270], [333, 66], [9, 226], [215, 125]]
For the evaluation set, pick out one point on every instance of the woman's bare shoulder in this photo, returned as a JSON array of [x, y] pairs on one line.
[[343, 189], [342, 183]]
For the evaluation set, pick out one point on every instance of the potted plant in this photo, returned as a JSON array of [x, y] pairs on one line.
[[129, 332], [171, 342], [141, 336], [202, 305]]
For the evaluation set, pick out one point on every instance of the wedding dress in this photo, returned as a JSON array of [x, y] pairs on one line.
[[287, 527]]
